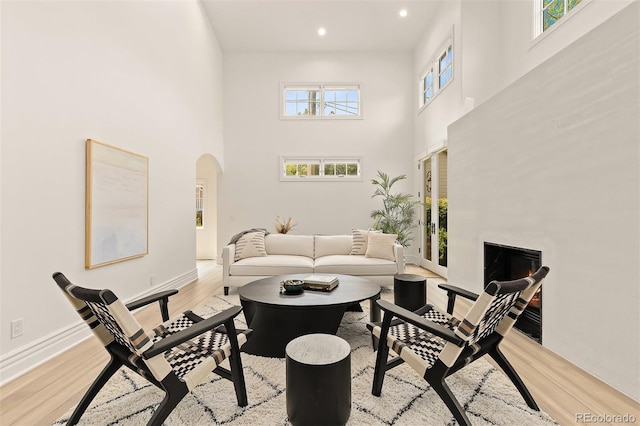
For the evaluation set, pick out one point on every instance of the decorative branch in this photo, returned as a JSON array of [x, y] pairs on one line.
[[284, 227]]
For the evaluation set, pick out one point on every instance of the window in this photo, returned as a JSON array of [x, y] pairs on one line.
[[302, 168], [321, 101], [341, 101], [445, 67], [427, 87], [548, 12], [199, 204], [319, 168], [438, 73], [302, 101]]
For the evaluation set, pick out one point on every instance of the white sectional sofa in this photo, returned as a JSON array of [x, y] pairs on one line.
[[246, 261]]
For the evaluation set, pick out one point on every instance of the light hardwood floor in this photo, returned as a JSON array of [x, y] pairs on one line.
[[561, 389]]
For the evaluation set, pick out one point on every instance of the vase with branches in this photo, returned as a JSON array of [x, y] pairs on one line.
[[282, 226], [397, 215]]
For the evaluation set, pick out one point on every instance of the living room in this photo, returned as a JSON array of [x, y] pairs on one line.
[[154, 78]]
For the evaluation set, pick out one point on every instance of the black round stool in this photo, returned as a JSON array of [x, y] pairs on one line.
[[318, 368], [410, 291]]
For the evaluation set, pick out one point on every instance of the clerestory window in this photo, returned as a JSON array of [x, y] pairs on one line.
[[437, 75], [445, 67], [321, 101], [316, 168], [548, 12]]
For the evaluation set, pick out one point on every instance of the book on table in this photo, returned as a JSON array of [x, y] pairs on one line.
[[320, 282]]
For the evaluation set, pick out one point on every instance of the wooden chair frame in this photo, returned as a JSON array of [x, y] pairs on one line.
[[463, 341], [130, 346]]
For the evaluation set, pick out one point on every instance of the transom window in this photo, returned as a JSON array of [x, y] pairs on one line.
[[548, 12], [438, 73], [321, 101], [319, 168]]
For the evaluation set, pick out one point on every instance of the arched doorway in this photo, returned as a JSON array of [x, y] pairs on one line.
[[207, 170]]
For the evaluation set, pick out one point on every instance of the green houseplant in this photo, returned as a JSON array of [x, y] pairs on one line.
[[397, 215]]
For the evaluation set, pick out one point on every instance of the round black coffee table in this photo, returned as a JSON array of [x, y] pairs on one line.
[[278, 318]]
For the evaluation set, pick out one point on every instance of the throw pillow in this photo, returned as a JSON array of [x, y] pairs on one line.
[[250, 244], [381, 246], [360, 238]]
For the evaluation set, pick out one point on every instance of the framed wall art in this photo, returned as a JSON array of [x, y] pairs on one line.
[[116, 222]]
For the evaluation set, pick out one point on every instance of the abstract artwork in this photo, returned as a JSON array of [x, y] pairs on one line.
[[116, 205]]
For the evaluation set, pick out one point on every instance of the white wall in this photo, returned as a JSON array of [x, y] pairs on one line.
[[493, 47], [430, 124], [552, 163], [522, 54], [251, 194], [144, 76]]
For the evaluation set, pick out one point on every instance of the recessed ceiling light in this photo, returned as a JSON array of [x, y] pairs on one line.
[[403, 12], [322, 31]]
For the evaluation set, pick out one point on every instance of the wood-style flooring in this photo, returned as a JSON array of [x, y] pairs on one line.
[[44, 394]]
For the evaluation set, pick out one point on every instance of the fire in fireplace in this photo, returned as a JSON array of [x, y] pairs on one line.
[[503, 263]]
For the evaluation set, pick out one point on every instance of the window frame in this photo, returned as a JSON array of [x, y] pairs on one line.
[[322, 88], [448, 69], [433, 68], [539, 32], [322, 162]]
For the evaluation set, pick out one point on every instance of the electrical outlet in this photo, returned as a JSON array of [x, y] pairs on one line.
[[17, 327], [152, 280]]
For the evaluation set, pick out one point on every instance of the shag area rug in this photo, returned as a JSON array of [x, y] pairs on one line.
[[487, 395]]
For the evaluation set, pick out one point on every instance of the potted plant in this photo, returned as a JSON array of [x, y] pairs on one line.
[[397, 215]]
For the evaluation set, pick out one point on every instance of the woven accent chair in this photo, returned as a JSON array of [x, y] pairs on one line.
[[436, 344], [176, 356]]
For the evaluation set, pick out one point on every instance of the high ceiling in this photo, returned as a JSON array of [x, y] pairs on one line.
[[292, 25]]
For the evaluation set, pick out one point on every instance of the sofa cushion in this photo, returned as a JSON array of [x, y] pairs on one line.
[[250, 244], [294, 245], [381, 246], [273, 264], [360, 239], [354, 265], [326, 245]]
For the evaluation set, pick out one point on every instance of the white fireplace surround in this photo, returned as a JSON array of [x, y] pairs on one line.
[[543, 165]]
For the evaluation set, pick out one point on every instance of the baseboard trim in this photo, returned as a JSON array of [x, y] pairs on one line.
[[25, 358]]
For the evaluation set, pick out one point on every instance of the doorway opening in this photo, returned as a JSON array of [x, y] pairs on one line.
[[206, 207], [434, 222]]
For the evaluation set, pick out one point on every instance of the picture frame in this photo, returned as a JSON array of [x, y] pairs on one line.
[[117, 200]]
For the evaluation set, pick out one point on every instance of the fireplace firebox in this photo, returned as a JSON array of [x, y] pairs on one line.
[[503, 263]]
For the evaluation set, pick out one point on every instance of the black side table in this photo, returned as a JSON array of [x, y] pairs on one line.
[[410, 291], [318, 368]]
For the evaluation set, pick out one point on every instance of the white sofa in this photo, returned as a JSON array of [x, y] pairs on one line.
[[300, 254]]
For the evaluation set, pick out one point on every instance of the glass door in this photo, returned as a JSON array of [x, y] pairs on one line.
[[434, 222], [427, 222]]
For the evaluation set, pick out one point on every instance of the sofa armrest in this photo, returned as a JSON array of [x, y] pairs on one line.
[[228, 254], [398, 251]]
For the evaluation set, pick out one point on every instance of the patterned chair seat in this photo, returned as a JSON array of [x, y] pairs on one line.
[[186, 358], [436, 345], [419, 348], [176, 356]]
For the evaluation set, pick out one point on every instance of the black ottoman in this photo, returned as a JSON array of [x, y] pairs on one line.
[[318, 380], [410, 291]]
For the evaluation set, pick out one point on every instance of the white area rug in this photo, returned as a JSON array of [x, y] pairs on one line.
[[486, 393]]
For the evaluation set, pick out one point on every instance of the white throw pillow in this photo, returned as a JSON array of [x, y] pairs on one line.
[[360, 238], [250, 245], [381, 246]]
